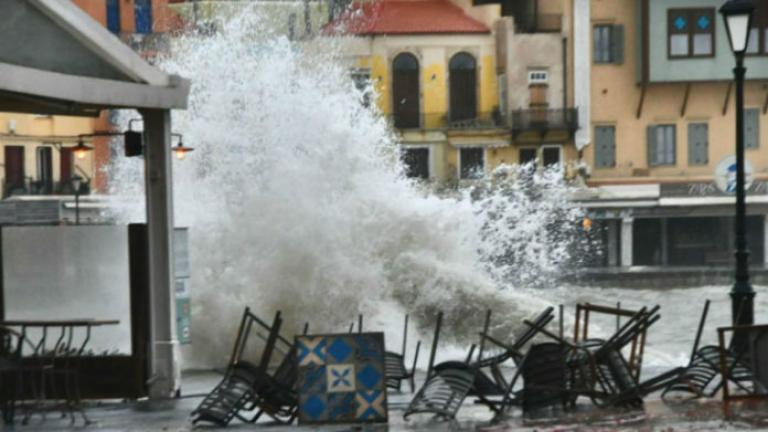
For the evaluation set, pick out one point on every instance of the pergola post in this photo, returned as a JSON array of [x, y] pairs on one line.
[[165, 355]]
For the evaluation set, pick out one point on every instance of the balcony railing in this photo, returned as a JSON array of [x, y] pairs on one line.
[[41, 187], [539, 23], [490, 120], [545, 120]]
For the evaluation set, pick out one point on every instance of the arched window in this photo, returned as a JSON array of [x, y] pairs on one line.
[[463, 87], [405, 91]]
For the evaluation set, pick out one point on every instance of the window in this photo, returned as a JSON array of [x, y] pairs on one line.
[[416, 162], [471, 163], [691, 33], [608, 44], [538, 76], [698, 144], [44, 170], [66, 165], [362, 80], [752, 128], [113, 16], [463, 87], [405, 91], [14, 170], [758, 37], [661, 145], [527, 155], [605, 146], [143, 16], [550, 155]]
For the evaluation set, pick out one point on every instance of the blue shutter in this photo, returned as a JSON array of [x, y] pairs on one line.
[[751, 128], [651, 138], [605, 146], [113, 16], [143, 15]]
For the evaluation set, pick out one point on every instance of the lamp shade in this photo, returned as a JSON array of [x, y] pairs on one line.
[[181, 151], [737, 15], [77, 181], [81, 149]]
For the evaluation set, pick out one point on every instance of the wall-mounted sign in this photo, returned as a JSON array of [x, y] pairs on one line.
[[725, 175]]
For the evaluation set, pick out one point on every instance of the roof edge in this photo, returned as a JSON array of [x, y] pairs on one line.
[[100, 41]]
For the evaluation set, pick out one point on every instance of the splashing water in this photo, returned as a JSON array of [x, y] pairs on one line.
[[296, 201]]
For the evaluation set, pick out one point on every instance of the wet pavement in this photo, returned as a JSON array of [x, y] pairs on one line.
[[173, 415]]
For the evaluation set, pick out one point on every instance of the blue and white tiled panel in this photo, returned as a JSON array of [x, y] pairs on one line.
[[341, 378]]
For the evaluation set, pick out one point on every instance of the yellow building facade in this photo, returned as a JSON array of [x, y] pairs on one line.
[[469, 74], [661, 127]]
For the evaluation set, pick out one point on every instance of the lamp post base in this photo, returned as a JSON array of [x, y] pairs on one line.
[[742, 311]]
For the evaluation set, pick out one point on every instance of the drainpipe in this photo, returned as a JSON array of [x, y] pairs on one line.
[[565, 72]]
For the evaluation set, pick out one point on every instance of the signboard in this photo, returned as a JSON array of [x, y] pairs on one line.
[[182, 284], [725, 175], [341, 378]]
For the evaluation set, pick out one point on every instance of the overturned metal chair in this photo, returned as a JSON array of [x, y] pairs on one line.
[[702, 377], [447, 384], [394, 364], [11, 371], [249, 388], [753, 341]]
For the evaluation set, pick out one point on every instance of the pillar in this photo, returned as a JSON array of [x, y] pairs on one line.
[[626, 241], [613, 242], [165, 379], [765, 241]]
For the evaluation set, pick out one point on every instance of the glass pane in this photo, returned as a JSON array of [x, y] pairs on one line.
[[659, 145], [606, 44], [670, 144], [753, 46], [702, 44], [680, 22], [678, 45]]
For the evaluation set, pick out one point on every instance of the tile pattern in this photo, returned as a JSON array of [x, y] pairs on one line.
[[341, 378]]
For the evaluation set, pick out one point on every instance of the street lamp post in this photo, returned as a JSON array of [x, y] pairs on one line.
[[77, 181], [737, 15]]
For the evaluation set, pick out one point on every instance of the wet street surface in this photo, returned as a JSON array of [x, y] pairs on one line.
[[174, 415]]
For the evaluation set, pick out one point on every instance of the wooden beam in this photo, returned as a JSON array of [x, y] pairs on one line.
[[765, 104], [685, 99], [639, 112], [727, 98]]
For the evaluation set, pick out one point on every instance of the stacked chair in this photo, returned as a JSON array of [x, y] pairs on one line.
[[250, 390], [394, 364]]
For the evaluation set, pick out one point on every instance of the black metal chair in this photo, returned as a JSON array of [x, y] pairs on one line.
[[394, 364], [446, 386], [11, 371], [250, 388], [545, 389]]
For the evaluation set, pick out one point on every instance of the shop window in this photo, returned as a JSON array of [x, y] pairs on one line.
[[691, 33], [605, 146], [661, 145], [416, 162], [471, 162]]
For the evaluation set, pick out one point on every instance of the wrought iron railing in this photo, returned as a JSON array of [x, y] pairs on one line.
[[42, 187], [543, 120], [489, 120]]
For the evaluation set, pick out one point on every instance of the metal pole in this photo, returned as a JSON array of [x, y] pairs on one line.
[[77, 207], [742, 294]]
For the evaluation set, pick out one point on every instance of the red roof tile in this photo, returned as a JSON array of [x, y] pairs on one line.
[[404, 17]]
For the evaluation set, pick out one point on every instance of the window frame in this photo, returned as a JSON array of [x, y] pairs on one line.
[[692, 125], [461, 162], [691, 32], [760, 22], [608, 50], [559, 149], [535, 155], [405, 148], [653, 164]]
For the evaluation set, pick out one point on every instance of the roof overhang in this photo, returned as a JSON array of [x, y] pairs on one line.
[[97, 70]]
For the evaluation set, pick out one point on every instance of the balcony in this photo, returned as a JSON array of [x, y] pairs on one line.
[[539, 23], [32, 187], [540, 122], [489, 120]]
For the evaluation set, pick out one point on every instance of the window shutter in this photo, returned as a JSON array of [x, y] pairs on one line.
[[605, 147], [651, 136], [751, 128], [617, 44], [612, 146], [698, 144]]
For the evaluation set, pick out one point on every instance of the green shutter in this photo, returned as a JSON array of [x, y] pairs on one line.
[[651, 138], [752, 128], [617, 44], [698, 144], [605, 146]]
